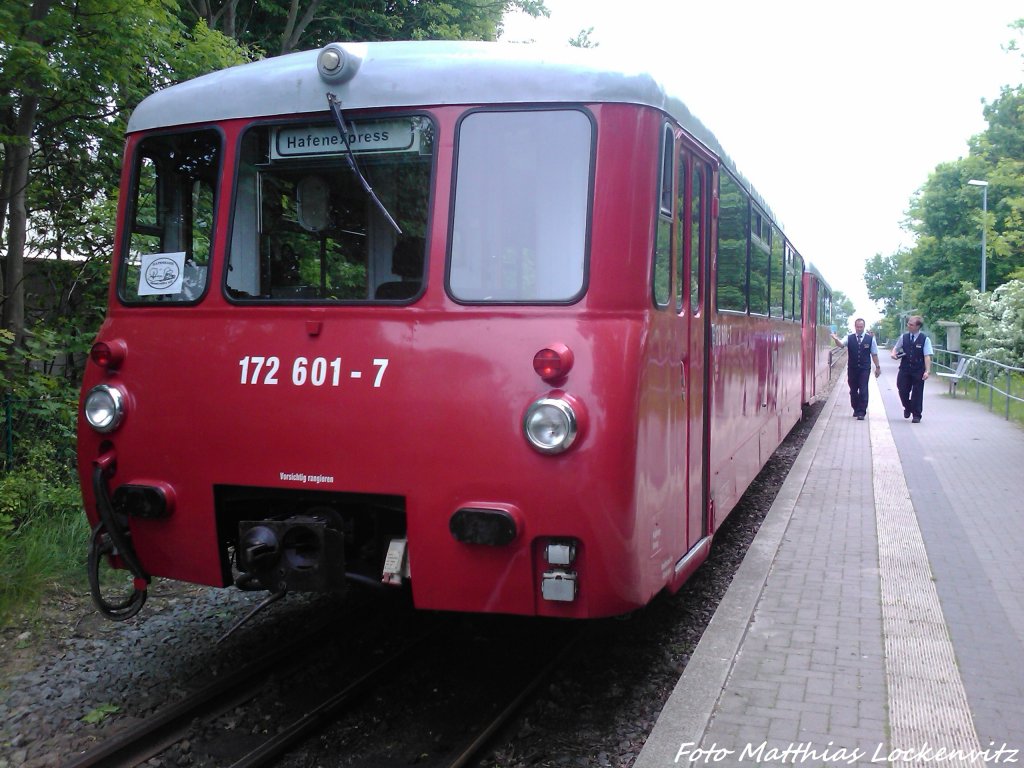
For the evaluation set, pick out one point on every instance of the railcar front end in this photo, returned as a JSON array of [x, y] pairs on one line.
[[361, 336]]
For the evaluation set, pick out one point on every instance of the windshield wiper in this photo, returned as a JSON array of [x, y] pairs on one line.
[[339, 121]]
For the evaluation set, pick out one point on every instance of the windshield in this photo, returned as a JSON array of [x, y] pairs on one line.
[[521, 203], [304, 228]]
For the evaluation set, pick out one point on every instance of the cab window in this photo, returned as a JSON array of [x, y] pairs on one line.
[[170, 221]]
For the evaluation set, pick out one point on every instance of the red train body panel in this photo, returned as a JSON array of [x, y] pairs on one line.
[[310, 440]]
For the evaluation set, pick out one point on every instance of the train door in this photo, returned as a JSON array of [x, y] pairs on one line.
[[809, 314], [693, 232]]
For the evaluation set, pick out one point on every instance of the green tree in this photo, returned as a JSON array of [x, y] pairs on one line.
[[842, 311], [947, 217], [282, 27], [881, 276], [70, 73], [947, 252], [889, 285], [583, 39]]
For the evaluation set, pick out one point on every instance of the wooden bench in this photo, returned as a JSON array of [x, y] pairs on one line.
[[953, 377]]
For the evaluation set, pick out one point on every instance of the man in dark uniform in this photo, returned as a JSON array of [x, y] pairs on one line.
[[862, 351], [914, 351]]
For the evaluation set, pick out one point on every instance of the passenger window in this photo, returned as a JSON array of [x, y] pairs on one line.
[[732, 246], [778, 273], [760, 251]]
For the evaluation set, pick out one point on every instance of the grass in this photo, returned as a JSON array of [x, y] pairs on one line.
[[982, 394], [42, 551]]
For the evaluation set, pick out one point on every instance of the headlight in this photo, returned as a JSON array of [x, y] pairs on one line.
[[104, 408], [550, 425]]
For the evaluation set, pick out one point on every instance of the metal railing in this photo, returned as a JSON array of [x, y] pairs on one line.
[[998, 379]]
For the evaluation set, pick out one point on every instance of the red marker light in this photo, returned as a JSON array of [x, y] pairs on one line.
[[108, 354], [553, 363]]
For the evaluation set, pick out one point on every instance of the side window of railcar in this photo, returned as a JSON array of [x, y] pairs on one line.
[[305, 229], [760, 250], [522, 192], [731, 284], [663, 235], [171, 212], [778, 273]]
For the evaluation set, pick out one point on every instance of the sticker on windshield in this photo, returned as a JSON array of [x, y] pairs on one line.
[[162, 274]]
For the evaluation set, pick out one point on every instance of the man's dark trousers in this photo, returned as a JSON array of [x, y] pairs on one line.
[[910, 379], [858, 378], [910, 385], [858, 371]]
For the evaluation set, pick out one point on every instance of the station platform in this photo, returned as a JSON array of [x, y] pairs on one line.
[[878, 617]]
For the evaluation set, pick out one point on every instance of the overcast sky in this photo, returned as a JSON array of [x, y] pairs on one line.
[[835, 112]]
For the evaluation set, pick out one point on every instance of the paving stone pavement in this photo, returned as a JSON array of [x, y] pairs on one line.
[[879, 615]]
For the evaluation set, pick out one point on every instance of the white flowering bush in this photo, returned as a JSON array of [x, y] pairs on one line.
[[994, 323]]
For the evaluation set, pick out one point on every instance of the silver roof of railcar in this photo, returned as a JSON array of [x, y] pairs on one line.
[[813, 269], [408, 74], [422, 74]]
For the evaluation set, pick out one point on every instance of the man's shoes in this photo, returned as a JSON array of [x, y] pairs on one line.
[[861, 417], [906, 413], [917, 420]]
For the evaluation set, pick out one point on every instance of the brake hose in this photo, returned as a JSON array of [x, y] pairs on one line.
[[108, 538]]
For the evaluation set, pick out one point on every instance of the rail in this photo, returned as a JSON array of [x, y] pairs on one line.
[[997, 379]]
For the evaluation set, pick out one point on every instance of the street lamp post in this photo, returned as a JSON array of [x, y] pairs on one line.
[[904, 312], [984, 223]]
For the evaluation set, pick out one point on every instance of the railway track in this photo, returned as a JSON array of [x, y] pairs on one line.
[[475, 748], [420, 680], [136, 744], [501, 710]]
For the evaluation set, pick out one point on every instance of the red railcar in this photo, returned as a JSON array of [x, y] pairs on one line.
[[505, 327]]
